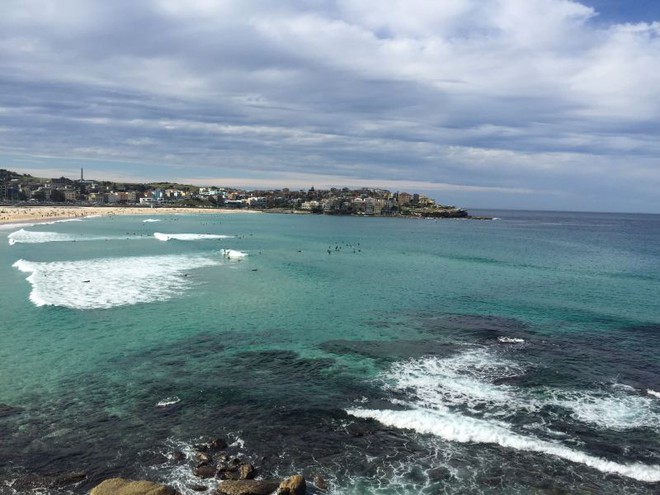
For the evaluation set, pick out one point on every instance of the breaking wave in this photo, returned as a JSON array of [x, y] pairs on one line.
[[189, 237], [461, 399], [231, 254], [109, 282], [458, 428], [23, 236]]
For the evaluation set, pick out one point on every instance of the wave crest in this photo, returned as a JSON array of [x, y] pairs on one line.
[[109, 282]]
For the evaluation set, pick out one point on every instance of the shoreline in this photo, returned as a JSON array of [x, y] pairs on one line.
[[38, 214]]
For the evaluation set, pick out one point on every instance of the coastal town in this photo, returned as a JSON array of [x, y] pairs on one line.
[[26, 190]]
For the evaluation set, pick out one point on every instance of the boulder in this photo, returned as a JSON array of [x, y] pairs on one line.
[[247, 487], [294, 485], [226, 473], [213, 445], [120, 486], [246, 471], [203, 458], [198, 488], [216, 444], [205, 471], [320, 483], [177, 456]]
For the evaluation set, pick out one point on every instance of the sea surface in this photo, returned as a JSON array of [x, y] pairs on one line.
[[387, 356]]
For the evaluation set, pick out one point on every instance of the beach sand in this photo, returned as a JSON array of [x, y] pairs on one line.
[[29, 214]]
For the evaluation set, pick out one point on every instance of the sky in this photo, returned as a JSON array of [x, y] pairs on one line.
[[525, 104]]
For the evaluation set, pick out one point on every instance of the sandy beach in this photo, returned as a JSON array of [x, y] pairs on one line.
[[23, 214]]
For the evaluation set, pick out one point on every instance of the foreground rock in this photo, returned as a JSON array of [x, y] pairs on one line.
[[294, 485], [120, 486], [248, 487]]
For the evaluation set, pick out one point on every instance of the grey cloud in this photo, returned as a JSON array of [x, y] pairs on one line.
[[342, 89]]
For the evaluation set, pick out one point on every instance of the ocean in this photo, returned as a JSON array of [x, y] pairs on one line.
[[380, 355]]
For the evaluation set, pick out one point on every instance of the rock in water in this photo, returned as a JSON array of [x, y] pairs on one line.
[[248, 487], [294, 485], [120, 486], [205, 471], [320, 483], [246, 471]]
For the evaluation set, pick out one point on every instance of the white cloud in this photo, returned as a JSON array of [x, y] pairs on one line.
[[503, 94]]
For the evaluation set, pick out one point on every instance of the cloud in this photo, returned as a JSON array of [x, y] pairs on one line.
[[504, 95]]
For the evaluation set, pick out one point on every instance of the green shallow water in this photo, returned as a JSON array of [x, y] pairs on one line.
[[323, 315]]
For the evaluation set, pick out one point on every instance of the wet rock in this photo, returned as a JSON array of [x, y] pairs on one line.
[[217, 444], [247, 487], [205, 471], [213, 445], [246, 471], [120, 486], [320, 483], [294, 485], [203, 458], [225, 473], [198, 488], [234, 468], [177, 456]]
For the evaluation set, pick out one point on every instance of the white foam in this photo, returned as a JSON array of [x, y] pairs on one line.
[[469, 379], [436, 391], [239, 442], [653, 393], [231, 254], [21, 225], [179, 475], [457, 428], [613, 410], [151, 220], [168, 401], [510, 340], [63, 220], [110, 282], [188, 237], [460, 380], [23, 236]]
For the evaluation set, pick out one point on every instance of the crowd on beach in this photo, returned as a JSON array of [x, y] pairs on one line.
[[14, 214]]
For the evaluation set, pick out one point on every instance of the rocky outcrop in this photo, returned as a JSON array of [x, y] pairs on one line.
[[248, 487], [120, 486], [294, 485]]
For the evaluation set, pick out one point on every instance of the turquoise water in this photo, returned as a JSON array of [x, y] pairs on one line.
[[519, 355]]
